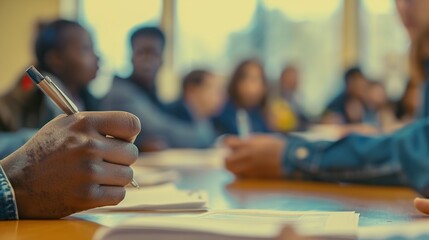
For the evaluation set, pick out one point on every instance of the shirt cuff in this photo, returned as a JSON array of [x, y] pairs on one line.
[[299, 154], [8, 209]]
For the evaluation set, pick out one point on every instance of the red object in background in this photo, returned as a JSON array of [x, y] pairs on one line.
[[26, 83]]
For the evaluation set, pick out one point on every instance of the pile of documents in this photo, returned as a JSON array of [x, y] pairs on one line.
[[235, 224]]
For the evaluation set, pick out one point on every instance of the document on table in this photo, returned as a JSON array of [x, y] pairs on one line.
[[165, 198], [413, 230], [236, 224]]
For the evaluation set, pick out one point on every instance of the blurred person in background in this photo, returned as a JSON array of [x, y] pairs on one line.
[[11, 137], [137, 94], [63, 51], [286, 113], [381, 108], [400, 158], [348, 107], [248, 92], [202, 97]]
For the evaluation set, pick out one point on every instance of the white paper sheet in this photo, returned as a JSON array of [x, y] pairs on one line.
[[160, 198]]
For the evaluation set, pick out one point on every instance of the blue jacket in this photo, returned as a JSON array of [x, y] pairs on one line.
[[401, 158]]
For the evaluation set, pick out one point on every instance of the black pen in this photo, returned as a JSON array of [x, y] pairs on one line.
[[58, 97]]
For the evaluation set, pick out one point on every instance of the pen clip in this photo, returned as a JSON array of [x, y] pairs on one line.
[[71, 106]]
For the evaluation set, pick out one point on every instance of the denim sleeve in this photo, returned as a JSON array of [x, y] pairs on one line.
[[399, 158], [8, 210]]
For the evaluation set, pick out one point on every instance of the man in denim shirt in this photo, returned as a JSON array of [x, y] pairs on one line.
[[399, 158], [70, 166]]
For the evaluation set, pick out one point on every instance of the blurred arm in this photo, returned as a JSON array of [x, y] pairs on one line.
[[399, 158], [156, 123]]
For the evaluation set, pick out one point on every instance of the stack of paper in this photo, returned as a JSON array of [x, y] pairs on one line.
[[165, 198], [236, 224]]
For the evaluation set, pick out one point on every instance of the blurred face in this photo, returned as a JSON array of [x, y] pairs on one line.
[[146, 58], [76, 63], [414, 15], [289, 80], [251, 87], [209, 96], [377, 95], [357, 86]]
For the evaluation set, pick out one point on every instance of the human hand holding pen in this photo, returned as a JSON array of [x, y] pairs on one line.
[[59, 98], [70, 166]]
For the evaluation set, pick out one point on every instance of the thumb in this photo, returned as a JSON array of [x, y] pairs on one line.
[[422, 205]]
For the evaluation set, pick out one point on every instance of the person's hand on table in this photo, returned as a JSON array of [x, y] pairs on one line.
[[70, 165], [259, 156]]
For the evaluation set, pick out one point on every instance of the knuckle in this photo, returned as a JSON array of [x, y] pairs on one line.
[[81, 121], [88, 193], [90, 170], [94, 192], [72, 141], [90, 144]]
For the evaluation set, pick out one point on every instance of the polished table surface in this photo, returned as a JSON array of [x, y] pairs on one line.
[[376, 205]]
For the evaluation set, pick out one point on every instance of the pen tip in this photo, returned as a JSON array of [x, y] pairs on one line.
[[34, 74]]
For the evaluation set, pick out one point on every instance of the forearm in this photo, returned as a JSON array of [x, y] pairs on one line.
[[352, 159], [158, 125]]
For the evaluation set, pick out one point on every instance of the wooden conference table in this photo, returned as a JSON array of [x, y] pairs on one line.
[[377, 205]]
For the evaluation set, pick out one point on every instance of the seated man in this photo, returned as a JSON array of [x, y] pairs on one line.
[[65, 53], [137, 95], [70, 166], [202, 97]]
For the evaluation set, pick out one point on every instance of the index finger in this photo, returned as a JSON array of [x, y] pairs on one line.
[[233, 142], [120, 125]]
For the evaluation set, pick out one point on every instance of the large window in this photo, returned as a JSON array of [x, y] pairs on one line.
[[219, 34], [383, 44], [110, 23]]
